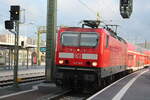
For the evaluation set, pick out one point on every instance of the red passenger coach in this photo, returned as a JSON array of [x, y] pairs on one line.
[[138, 57], [85, 56], [147, 60]]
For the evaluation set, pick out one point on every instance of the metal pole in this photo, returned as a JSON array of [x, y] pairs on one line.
[[145, 44], [12, 54], [5, 57], [16, 54], [9, 57], [38, 47], [27, 58], [50, 38]]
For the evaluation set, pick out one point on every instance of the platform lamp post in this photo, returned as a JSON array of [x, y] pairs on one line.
[[10, 25]]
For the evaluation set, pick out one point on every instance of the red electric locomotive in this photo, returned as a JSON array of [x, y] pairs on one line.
[[86, 56]]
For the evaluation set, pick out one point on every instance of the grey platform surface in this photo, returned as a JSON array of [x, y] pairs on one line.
[[27, 92], [22, 72], [139, 90], [7, 73]]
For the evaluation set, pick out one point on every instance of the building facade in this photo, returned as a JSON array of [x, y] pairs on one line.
[[27, 52]]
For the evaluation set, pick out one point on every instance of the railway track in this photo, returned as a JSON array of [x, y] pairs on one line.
[[23, 78], [55, 95], [65, 95], [70, 96]]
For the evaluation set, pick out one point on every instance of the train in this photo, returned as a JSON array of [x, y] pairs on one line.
[[138, 57], [90, 56]]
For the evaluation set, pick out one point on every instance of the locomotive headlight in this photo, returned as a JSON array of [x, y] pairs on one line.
[[94, 64], [61, 61], [78, 50]]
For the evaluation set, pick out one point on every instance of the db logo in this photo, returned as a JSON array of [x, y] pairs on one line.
[[77, 55]]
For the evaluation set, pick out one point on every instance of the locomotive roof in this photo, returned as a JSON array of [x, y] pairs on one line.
[[106, 31]]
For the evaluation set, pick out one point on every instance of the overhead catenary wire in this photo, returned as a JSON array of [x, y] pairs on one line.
[[103, 5], [93, 11], [97, 12], [100, 6], [90, 9], [85, 5]]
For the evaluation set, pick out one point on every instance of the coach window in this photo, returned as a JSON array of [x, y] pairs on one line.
[[107, 41]]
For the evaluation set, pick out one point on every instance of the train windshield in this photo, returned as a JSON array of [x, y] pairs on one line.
[[69, 39], [89, 39]]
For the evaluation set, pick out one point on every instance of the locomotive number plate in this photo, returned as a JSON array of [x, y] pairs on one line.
[[77, 55]]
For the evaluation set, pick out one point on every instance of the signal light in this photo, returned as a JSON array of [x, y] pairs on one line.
[[126, 7], [15, 13], [9, 24], [124, 1]]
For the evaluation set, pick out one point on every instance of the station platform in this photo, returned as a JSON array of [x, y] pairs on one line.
[[26, 71], [36, 90], [29, 92], [24, 76], [8, 74], [135, 86]]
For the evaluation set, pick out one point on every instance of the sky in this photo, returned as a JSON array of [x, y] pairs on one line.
[[72, 12]]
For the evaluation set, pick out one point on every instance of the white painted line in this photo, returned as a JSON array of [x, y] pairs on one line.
[[18, 93], [122, 92], [109, 86]]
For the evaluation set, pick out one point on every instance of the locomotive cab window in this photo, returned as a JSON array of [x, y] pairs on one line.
[[107, 41], [70, 39], [89, 39]]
